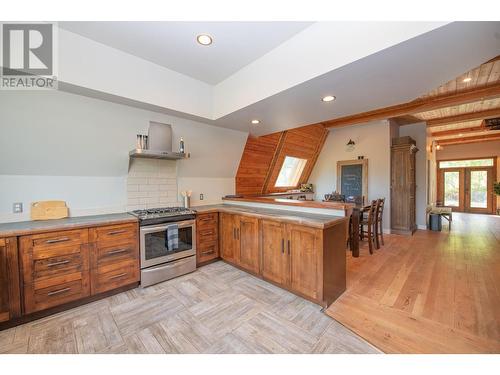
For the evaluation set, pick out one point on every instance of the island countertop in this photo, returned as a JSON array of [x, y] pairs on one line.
[[292, 202], [303, 218], [40, 226]]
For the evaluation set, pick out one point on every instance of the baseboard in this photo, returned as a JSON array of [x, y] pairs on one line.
[[422, 227]]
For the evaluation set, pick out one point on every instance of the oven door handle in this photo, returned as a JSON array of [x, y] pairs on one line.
[[158, 228]]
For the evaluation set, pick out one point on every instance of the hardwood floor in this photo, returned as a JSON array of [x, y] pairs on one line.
[[217, 309], [434, 292]]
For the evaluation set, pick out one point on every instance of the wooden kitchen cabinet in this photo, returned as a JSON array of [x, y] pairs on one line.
[[65, 266], [10, 304], [305, 256], [291, 256], [240, 241], [229, 237], [248, 237], [55, 268], [274, 259], [207, 237]]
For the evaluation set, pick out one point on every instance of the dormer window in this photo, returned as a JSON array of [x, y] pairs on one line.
[[290, 172]]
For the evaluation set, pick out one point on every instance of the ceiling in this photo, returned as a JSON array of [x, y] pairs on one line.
[[395, 75], [461, 129], [173, 44]]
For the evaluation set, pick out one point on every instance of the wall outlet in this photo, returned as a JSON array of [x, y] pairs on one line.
[[201, 197], [17, 207]]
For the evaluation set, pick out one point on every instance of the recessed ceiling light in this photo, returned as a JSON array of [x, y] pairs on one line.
[[328, 98], [468, 79], [255, 122], [204, 39]]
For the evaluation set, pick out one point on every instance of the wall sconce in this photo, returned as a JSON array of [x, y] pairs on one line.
[[350, 145]]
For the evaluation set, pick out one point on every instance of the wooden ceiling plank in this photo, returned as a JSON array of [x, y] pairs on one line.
[[458, 131], [477, 138], [416, 106], [495, 112]]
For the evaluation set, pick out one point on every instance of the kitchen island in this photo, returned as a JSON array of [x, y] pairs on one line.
[[300, 251]]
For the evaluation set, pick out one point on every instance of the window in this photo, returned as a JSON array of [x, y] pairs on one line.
[[290, 172], [466, 163]]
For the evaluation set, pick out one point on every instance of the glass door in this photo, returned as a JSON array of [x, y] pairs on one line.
[[452, 187], [478, 192]]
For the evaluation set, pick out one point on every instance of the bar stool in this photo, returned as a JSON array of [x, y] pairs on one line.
[[369, 222], [379, 231]]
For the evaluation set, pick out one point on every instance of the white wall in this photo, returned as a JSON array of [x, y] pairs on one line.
[[87, 63], [418, 132], [373, 142], [56, 145]]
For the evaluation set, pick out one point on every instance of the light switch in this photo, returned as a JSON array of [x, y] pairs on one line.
[[201, 197]]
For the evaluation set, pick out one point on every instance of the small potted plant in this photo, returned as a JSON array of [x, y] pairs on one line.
[[496, 189]]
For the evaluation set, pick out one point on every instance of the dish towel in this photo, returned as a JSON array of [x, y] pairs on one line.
[[172, 237]]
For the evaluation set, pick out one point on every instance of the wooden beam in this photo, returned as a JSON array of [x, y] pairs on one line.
[[445, 133], [491, 113], [419, 105], [473, 139]]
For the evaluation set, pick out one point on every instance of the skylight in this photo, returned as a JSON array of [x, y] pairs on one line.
[[290, 172]]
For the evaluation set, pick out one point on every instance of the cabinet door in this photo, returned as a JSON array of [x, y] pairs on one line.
[[274, 259], [248, 235], [10, 305], [229, 242], [304, 251]]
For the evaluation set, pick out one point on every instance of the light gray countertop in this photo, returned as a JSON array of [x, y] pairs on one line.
[[40, 226], [307, 219]]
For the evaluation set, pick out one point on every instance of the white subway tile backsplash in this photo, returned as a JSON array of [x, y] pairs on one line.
[[152, 183]]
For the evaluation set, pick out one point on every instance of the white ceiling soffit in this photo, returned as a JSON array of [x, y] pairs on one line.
[[365, 65], [392, 76], [173, 44]]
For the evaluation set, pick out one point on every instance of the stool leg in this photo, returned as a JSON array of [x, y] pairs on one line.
[[381, 233], [377, 243], [370, 239]]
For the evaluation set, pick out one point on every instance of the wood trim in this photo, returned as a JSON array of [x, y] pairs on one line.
[[472, 139], [364, 163], [265, 188], [495, 112], [445, 133], [418, 105]]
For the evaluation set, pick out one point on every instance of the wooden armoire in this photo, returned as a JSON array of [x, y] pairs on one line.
[[403, 185]]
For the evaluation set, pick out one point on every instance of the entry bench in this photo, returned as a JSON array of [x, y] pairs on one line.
[[445, 212]]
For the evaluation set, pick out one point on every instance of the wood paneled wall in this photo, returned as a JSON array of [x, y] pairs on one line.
[[263, 157], [255, 161]]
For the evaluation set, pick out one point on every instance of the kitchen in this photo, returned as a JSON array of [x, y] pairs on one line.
[[201, 206]]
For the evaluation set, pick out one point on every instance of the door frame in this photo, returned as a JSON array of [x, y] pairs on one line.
[[465, 174]]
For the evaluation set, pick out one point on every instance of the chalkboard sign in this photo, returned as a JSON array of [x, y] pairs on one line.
[[352, 177], [351, 180]]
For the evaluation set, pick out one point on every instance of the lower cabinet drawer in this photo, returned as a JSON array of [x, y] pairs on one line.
[[53, 292], [109, 254], [207, 251], [115, 275]]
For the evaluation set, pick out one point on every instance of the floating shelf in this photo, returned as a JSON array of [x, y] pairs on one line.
[[151, 154]]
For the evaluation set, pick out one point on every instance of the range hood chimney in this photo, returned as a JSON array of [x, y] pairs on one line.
[[160, 137], [159, 144]]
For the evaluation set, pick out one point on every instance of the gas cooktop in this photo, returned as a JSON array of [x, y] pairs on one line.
[[163, 215]]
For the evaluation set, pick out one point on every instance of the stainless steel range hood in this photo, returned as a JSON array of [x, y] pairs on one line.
[[160, 142]]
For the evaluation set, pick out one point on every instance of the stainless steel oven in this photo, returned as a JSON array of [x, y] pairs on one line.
[[158, 263]]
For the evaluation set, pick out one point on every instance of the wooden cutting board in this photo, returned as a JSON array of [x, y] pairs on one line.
[[48, 210]]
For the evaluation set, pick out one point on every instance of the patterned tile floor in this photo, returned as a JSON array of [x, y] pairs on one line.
[[217, 309]]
